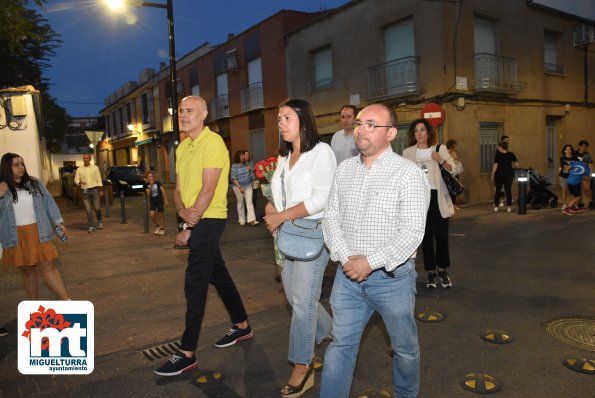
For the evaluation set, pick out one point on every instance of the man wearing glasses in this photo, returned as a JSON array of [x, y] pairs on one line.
[[584, 156], [373, 223]]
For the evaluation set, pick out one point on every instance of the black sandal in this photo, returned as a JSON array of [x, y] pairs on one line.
[[290, 391]]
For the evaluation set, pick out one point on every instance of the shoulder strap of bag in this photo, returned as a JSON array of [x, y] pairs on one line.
[[283, 194]]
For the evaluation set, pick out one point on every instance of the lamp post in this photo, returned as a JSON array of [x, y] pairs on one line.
[[172, 54], [172, 64]]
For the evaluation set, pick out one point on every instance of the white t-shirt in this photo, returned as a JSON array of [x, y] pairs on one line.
[[24, 212], [423, 157]]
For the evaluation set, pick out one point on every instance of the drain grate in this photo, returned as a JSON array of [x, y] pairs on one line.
[[161, 351], [576, 332]]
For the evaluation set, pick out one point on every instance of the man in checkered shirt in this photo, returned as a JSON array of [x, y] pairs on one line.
[[373, 223]]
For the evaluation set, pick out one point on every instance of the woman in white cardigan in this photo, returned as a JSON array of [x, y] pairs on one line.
[[305, 170], [422, 138]]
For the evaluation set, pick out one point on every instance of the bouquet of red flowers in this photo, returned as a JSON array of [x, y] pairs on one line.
[[264, 171], [265, 168]]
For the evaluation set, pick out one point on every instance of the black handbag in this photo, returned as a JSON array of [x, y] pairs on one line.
[[453, 185]]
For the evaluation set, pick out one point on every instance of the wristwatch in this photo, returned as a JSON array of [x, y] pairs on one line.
[[187, 227]]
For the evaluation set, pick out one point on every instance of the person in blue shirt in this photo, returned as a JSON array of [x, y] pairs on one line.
[[578, 170]]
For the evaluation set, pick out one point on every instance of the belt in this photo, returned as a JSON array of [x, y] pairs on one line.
[[390, 274]]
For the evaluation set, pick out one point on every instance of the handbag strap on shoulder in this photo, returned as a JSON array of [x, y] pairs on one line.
[[283, 194]]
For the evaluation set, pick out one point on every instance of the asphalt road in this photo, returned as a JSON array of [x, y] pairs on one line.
[[516, 273]]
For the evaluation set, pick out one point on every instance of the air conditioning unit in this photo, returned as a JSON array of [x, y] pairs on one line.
[[230, 63], [583, 35]]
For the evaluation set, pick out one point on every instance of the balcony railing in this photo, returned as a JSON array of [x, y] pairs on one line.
[[393, 79], [220, 107], [554, 69], [252, 97], [496, 74]]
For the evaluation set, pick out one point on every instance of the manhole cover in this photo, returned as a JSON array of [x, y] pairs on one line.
[[576, 332]]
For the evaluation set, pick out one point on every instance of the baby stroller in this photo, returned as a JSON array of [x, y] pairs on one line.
[[539, 195]]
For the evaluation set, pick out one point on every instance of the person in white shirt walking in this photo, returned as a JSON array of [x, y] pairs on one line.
[[300, 188], [373, 223], [343, 141], [88, 178]]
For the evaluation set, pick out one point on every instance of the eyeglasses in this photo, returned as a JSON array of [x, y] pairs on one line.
[[368, 127]]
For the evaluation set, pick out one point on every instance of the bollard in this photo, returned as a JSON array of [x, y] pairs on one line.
[[522, 180], [146, 213], [106, 198], [122, 207]]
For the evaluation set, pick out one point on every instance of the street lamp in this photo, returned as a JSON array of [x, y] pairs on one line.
[[117, 4]]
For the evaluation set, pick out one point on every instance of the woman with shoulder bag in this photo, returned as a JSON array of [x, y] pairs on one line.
[[300, 187], [422, 138], [27, 212]]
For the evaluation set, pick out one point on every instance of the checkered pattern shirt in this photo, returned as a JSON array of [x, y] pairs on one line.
[[378, 212]]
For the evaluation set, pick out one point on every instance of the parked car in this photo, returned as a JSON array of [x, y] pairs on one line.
[[128, 178]]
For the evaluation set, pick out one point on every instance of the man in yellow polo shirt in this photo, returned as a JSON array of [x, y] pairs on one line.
[[202, 169]]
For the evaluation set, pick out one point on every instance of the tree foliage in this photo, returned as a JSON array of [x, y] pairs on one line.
[[27, 41]]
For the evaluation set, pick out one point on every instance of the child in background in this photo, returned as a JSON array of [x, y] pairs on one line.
[[578, 170], [158, 198]]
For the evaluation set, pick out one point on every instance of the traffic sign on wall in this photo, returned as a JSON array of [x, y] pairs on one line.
[[434, 113]]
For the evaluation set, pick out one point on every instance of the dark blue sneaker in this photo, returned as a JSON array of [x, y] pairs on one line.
[[235, 335], [177, 364]]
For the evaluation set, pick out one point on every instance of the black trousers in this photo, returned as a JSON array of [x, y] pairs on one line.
[[206, 266], [505, 181], [435, 242]]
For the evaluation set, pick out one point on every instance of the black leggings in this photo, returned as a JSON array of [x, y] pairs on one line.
[[507, 182], [436, 230]]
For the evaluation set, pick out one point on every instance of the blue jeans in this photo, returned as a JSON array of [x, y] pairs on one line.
[[310, 322], [353, 304], [91, 202]]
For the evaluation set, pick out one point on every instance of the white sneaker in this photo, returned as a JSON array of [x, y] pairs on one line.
[[157, 231], [509, 209], [496, 209], [161, 231], [564, 206]]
